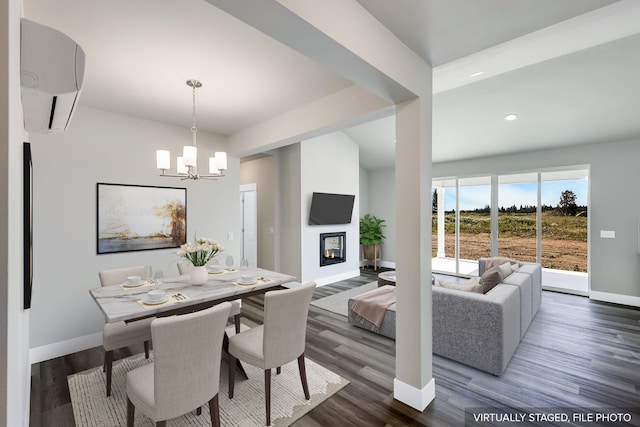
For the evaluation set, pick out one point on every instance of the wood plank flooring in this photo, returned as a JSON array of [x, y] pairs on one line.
[[576, 354]]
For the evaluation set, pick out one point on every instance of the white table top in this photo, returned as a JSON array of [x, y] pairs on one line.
[[118, 304]]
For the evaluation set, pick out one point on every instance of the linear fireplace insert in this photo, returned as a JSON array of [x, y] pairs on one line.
[[333, 249]]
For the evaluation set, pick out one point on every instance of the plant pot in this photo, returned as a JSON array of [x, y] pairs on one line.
[[371, 252], [198, 275]]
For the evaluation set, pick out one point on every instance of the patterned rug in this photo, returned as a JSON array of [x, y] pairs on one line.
[[91, 407]]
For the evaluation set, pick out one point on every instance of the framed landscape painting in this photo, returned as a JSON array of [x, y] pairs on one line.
[[140, 217]]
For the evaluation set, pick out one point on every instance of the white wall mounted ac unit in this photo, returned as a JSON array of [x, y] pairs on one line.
[[51, 76]]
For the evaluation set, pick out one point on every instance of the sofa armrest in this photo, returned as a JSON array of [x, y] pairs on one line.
[[478, 330]]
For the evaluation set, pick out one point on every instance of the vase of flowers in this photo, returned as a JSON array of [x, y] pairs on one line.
[[199, 254]]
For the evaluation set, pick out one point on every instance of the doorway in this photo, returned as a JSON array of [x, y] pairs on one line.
[[248, 226]]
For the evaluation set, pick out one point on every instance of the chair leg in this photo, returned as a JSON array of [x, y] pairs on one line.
[[161, 423], [232, 375], [214, 410], [278, 370], [146, 349], [236, 320], [131, 413], [303, 376], [108, 362], [267, 394], [199, 411]]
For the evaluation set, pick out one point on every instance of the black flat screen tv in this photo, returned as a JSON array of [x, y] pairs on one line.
[[327, 208]]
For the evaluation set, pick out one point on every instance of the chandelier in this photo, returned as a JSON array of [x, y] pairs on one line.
[[187, 164]]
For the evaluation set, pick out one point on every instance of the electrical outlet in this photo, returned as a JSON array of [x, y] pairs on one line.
[[229, 236], [607, 234]]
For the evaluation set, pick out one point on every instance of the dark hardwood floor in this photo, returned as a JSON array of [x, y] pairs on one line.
[[577, 354]]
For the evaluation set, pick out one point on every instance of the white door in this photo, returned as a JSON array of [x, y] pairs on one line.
[[249, 220]]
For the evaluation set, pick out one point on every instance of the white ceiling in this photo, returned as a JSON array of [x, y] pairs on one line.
[[140, 53]]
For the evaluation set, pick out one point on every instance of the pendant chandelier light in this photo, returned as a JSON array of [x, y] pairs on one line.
[[187, 164]]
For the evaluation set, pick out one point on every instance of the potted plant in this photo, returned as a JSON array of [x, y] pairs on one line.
[[371, 236]]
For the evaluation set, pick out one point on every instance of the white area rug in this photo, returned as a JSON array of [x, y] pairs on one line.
[[91, 407], [338, 303]]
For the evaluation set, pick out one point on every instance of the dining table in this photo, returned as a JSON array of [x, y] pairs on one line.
[[130, 302]]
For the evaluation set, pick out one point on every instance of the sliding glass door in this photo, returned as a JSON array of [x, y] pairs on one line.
[[474, 222], [517, 216], [535, 216]]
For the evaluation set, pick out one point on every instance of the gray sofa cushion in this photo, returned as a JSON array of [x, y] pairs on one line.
[[478, 330], [490, 279], [535, 271], [522, 282]]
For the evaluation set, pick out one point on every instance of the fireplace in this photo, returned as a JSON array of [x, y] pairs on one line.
[[332, 248]]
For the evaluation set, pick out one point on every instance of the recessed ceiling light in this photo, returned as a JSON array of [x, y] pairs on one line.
[[476, 74], [510, 117]]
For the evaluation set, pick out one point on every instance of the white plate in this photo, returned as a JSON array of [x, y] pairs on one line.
[[212, 271], [250, 282], [133, 285], [147, 301]]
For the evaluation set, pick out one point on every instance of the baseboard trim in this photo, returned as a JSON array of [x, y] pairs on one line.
[[62, 348], [386, 264], [414, 397], [615, 298], [337, 277]]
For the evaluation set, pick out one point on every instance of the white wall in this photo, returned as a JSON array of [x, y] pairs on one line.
[[329, 164], [363, 193], [14, 320], [101, 146]]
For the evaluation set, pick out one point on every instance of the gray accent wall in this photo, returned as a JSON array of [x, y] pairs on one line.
[[614, 264], [382, 204], [101, 146], [614, 203], [262, 172]]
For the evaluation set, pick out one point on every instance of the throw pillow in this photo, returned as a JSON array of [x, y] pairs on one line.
[[490, 279], [505, 270], [470, 285]]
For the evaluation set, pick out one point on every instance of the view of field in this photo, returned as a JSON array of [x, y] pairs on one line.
[[564, 238]]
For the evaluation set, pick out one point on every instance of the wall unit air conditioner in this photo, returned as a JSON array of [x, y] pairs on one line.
[[51, 76]]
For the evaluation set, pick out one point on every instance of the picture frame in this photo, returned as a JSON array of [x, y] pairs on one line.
[[27, 223], [139, 217]]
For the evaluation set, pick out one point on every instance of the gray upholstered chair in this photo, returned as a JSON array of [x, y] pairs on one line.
[[120, 334], [186, 267], [279, 340], [185, 373]]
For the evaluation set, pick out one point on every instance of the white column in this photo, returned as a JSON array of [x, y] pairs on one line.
[[441, 242], [414, 384]]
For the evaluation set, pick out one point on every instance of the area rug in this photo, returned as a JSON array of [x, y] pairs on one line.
[[91, 407], [338, 303]]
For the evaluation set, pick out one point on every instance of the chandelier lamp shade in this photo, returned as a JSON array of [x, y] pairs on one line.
[[186, 165]]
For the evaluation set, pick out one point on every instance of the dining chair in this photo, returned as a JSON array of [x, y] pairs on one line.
[[186, 267], [185, 373], [120, 334], [278, 341]]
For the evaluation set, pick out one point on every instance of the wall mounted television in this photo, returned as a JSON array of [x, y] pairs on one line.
[[328, 208]]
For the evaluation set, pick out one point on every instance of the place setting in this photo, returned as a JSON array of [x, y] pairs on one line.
[[248, 280], [159, 297], [133, 282]]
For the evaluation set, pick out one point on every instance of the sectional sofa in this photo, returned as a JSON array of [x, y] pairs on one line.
[[479, 330]]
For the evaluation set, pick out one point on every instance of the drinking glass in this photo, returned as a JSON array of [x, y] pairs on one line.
[[148, 274], [229, 262], [244, 264], [158, 277]]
